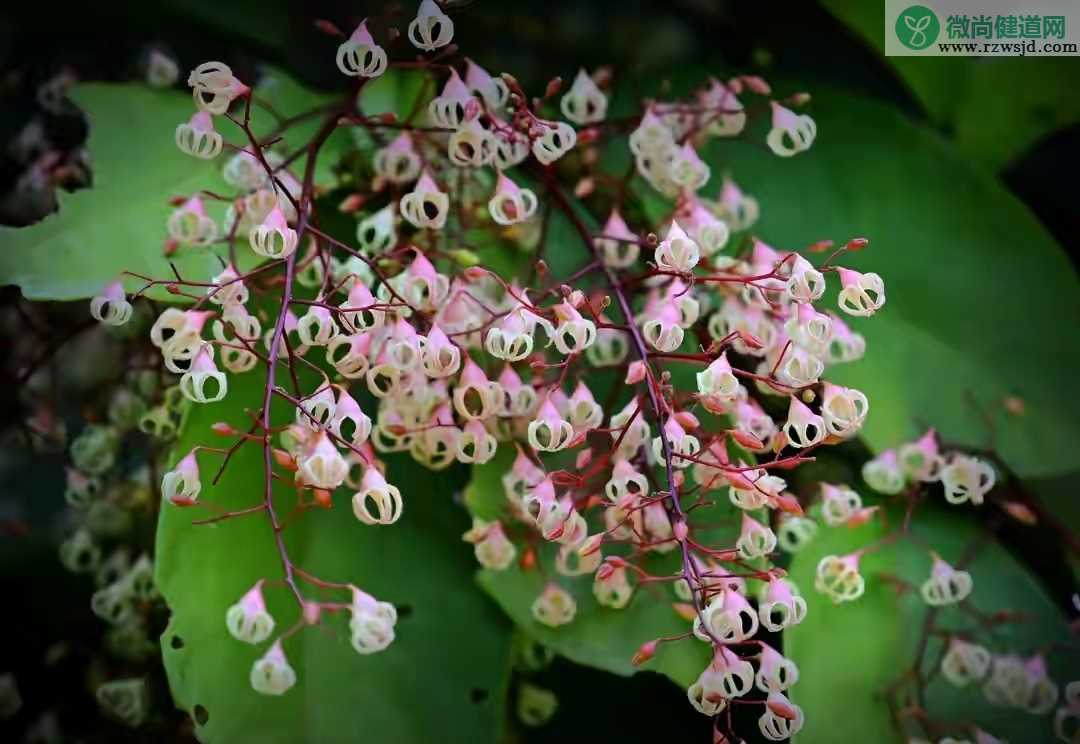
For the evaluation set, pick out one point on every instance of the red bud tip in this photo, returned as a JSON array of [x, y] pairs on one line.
[[751, 340], [284, 459], [172, 288], [176, 201], [645, 653], [746, 439], [328, 28], [787, 503], [684, 610], [312, 613], [588, 136], [687, 420], [223, 429], [821, 246], [169, 247], [1020, 512], [528, 559], [351, 203], [583, 459], [585, 186], [857, 244], [553, 87], [322, 497]]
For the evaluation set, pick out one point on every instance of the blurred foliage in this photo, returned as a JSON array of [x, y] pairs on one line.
[[994, 108]]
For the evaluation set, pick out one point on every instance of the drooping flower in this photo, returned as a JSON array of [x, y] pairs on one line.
[[554, 606], [271, 674], [431, 28], [584, 103], [248, 619], [791, 133], [111, 306], [360, 56]]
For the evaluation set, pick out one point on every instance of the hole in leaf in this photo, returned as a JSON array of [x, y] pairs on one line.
[[200, 714], [177, 642], [478, 694], [404, 611]]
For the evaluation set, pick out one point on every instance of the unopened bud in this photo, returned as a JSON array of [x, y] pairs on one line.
[[541, 267], [635, 373], [583, 459], [788, 504], [475, 273], [588, 136], [351, 203], [862, 516], [687, 420], [1020, 512], [799, 99], [645, 653], [684, 610], [757, 85], [857, 244], [168, 248], [284, 459], [553, 87], [312, 613], [464, 257], [746, 439], [528, 559], [680, 530], [821, 246], [324, 26], [750, 340], [223, 429], [1014, 405], [172, 288], [585, 186], [322, 497]]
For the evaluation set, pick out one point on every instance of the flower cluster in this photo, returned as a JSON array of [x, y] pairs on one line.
[[418, 346]]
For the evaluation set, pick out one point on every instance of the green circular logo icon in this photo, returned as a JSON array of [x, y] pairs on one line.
[[917, 27]]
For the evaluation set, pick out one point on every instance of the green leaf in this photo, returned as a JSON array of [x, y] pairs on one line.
[[444, 677], [598, 636], [847, 654], [996, 107], [119, 223], [978, 291]]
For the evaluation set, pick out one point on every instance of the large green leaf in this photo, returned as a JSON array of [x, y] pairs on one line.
[[996, 107], [445, 675], [598, 636], [119, 223], [847, 654], [978, 291]]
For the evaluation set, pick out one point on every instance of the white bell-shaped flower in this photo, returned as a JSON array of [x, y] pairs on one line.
[[376, 233], [248, 620], [377, 502], [965, 663], [271, 674], [556, 139], [946, 585], [677, 252], [431, 28], [471, 146], [554, 606], [493, 90], [198, 138], [372, 623], [511, 204], [273, 238], [111, 306], [966, 479], [181, 485], [450, 109], [193, 384], [425, 206], [791, 133], [861, 295], [398, 162], [584, 103], [322, 466], [803, 427], [360, 56]]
